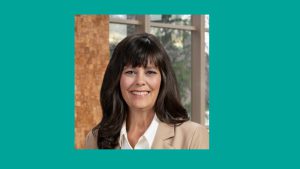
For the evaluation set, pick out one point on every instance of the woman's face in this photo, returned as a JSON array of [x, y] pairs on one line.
[[140, 86]]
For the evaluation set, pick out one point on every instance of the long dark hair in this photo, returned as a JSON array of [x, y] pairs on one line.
[[136, 50]]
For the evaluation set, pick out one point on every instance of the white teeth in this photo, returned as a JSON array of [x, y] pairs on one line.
[[140, 93]]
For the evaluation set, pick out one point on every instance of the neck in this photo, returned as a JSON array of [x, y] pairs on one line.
[[139, 121]]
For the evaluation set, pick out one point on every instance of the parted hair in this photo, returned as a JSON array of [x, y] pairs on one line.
[[136, 50]]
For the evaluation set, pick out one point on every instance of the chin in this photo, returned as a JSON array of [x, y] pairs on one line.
[[140, 106]]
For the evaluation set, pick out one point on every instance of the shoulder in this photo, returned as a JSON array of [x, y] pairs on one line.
[[195, 135], [91, 140], [189, 125], [190, 128]]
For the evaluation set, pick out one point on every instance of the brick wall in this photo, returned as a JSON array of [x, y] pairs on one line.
[[91, 59]]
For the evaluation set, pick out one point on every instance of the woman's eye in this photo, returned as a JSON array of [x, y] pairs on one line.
[[151, 72], [129, 72]]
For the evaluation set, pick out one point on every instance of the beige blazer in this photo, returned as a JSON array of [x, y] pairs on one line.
[[188, 135]]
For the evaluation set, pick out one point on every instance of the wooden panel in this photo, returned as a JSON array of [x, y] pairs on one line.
[[91, 59]]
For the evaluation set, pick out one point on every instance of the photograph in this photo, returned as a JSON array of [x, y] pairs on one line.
[[142, 81]]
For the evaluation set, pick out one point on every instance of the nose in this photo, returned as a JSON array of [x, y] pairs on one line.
[[140, 79]]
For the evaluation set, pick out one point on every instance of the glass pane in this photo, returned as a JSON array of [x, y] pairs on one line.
[[117, 32], [172, 19], [206, 37], [207, 21], [122, 16], [178, 45]]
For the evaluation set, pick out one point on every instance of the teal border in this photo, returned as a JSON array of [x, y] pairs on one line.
[[254, 85]]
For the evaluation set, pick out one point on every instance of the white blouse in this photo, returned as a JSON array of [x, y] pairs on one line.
[[145, 141]]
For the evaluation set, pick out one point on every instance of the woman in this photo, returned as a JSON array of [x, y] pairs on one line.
[[140, 102]]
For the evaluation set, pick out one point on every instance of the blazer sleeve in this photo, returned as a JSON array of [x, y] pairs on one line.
[[200, 139], [91, 141]]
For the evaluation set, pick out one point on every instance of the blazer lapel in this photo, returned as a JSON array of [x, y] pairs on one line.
[[163, 137]]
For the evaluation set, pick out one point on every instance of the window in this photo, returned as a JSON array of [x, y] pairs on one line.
[[186, 39]]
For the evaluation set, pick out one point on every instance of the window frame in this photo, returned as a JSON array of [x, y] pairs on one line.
[[199, 60]]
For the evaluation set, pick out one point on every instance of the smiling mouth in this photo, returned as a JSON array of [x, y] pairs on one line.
[[140, 93]]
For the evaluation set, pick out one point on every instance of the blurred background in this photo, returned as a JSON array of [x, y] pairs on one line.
[[185, 38]]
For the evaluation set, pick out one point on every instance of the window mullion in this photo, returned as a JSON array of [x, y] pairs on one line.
[[198, 70], [144, 21]]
